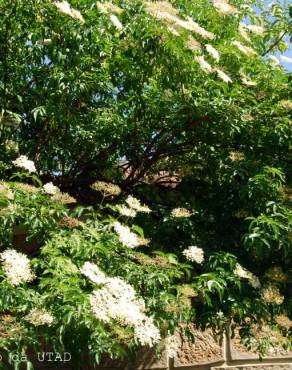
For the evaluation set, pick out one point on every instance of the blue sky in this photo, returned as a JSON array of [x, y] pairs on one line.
[[288, 53]]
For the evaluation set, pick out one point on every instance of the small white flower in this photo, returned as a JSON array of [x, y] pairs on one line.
[[243, 32], [224, 8], [205, 66], [93, 273], [213, 52], [135, 204], [126, 211], [245, 274], [194, 26], [258, 30], [173, 31], [241, 272], [194, 254], [51, 189], [223, 76], [246, 81], [16, 267], [65, 8], [147, 333], [244, 49], [117, 301], [24, 162], [116, 22], [126, 236], [39, 317], [180, 213]]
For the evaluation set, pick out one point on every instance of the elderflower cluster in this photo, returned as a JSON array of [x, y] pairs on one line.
[[6, 192], [194, 254], [244, 49], [26, 188], [284, 321], [243, 32], [180, 213], [224, 8], [16, 267], [236, 156], [93, 273], [170, 17], [24, 162], [106, 188], [223, 76], [271, 294], [205, 66], [116, 300], [213, 52], [39, 317], [126, 211], [135, 204], [51, 189], [63, 198], [126, 236], [246, 81], [244, 274], [258, 30], [65, 8], [193, 44], [111, 8], [276, 273], [286, 104]]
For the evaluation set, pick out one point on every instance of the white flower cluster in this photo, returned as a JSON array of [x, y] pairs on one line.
[[224, 8], [16, 267], [244, 49], [205, 66], [258, 30], [180, 213], [108, 7], [24, 162], [194, 254], [106, 188], [51, 189], [116, 22], [188, 24], [135, 204], [116, 300], [126, 211], [93, 273], [247, 81], [126, 236], [6, 192], [213, 52], [223, 76], [39, 317], [244, 274], [271, 294], [65, 8]]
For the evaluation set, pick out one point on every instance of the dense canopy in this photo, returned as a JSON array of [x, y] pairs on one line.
[[145, 165]]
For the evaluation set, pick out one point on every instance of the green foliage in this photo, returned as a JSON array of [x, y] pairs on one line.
[[114, 99]]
